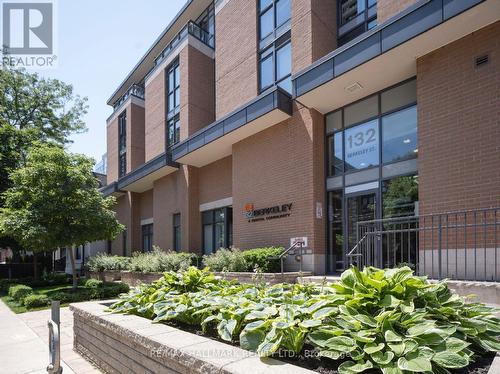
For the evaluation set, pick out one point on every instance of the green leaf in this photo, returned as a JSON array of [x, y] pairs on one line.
[[226, 329], [372, 347], [255, 325], [382, 358], [350, 367], [308, 323], [415, 362], [320, 337], [341, 343], [269, 346], [250, 340], [364, 336], [324, 312], [450, 360], [421, 329], [397, 348], [391, 336], [334, 355]]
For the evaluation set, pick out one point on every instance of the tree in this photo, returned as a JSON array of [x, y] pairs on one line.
[[54, 202], [33, 109]]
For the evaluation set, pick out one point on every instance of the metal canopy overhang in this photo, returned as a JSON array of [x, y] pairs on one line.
[[111, 190], [142, 178], [215, 141], [387, 54]]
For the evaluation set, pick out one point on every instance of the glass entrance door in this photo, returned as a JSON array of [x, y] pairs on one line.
[[359, 207]]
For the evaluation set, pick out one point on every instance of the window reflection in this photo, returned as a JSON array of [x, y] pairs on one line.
[[399, 135], [362, 146]]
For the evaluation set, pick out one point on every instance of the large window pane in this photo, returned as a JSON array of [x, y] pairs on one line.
[[220, 235], [336, 155], [283, 61], [208, 239], [399, 96], [360, 111], [334, 121], [336, 237], [264, 3], [266, 72], [266, 23], [399, 135], [286, 84], [362, 146], [283, 12], [400, 196]]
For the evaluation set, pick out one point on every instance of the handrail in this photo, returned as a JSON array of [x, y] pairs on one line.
[[299, 244], [54, 366]]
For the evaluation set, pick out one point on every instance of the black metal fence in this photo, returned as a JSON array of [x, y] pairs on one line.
[[461, 245]]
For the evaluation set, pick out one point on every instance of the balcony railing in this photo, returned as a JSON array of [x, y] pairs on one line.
[[190, 28], [134, 90]]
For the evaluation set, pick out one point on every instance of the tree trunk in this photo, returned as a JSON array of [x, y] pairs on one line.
[[35, 266], [73, 266]]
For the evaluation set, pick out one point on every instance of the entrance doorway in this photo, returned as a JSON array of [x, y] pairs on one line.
[[360, 207]]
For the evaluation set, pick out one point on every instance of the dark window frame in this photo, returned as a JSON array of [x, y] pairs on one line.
[[122, 144], [147, 231], [378, 117], [209, 218], [172, 115], [271, 51], [176, 226], [359, 29], [272, 6]]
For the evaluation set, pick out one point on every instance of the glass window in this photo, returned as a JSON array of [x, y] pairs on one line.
[[355, 18], [173, 89], [173, 131], [362, 146], [283, 12], [266, 23], [399, 135], [147, 238], [335, 232], [399, 96], [336, 156], [177, 231], [284, 61], [266, 71], [400, 196], [334, 121], [263, 4], [361, 111], [122, 144], [217, 229]]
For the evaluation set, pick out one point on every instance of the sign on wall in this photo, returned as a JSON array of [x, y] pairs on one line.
[[302, 239], [266, 214], [362, 146]]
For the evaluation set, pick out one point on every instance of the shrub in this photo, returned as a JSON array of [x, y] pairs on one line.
[[6, 283], [19, 291], [266, 259], [226, 260], [82, 294], [106, 290], [33, 301], [92, 283], [160, 261], [386, 320], [105, 262]]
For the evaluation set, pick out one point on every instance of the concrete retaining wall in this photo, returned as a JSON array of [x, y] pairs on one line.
[[119, 343]]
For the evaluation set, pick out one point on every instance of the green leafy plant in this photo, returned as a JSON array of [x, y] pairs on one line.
[[226, 260], [105, 262], [387, 320], [266, 259], [33, 301], [19, 291]]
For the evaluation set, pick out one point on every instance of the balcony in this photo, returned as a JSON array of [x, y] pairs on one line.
[[387, 54], [192, 29], [215, 141], [135, 90], [111, 190]]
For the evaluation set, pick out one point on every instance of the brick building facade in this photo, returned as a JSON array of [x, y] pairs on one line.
[[249, 123]]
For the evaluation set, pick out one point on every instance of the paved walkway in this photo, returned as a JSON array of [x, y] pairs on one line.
[[24, 343]]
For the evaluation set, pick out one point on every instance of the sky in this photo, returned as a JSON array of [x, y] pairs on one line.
[[99, 42]]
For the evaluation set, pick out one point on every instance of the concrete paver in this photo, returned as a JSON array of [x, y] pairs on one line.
[[24, 343]]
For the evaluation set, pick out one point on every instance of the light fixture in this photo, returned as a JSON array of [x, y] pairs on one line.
[[353, 87], [406, 141]]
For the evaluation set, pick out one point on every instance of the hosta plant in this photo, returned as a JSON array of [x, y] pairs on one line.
[[386, 320]]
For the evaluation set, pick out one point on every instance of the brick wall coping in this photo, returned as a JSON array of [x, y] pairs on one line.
[[128, 343]]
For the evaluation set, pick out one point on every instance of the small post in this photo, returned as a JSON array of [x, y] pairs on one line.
[[54, 322], [440, 238], [301, 257]]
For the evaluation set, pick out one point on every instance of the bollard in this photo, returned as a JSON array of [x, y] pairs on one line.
[[54, 340]]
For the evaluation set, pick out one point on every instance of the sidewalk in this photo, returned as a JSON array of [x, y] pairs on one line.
[[24, 343]]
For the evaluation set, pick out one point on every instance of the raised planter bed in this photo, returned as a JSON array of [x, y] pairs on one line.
[[119, 343], [134, 278]]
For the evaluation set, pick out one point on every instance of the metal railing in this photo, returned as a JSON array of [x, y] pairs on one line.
[[190, 28], [460, 245], [134, 90], [298, 244]]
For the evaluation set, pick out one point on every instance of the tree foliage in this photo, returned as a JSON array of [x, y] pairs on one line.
[[55, 202]]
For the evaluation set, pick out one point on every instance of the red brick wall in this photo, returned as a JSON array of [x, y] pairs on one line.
[[155, 117], [459, 124], [135, 137], [388, 8], [215, 181], [280, 165], [112, 150], [314, 31], [197, 91], [236, 55]]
